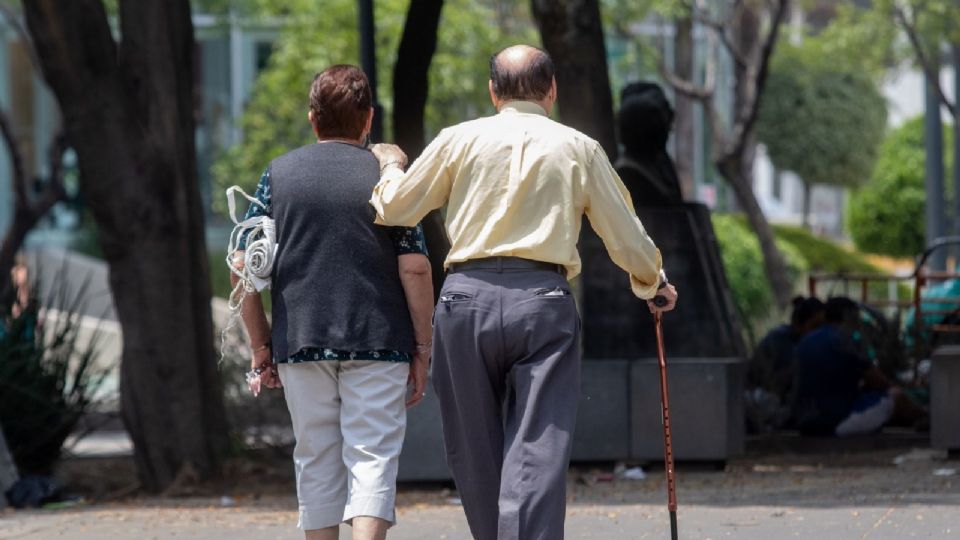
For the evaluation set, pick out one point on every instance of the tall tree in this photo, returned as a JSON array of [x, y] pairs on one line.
[[128, 110], [572, 32], [411, 86], [748, 31], [410, 74], [823, 121]]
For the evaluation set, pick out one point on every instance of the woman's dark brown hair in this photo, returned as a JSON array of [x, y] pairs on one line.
[[340, 99]]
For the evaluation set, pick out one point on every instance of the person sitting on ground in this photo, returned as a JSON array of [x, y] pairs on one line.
[[838, 391], [770, 374]]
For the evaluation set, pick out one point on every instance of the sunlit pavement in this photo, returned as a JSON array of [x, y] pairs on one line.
[[887, 494], [906, 520]]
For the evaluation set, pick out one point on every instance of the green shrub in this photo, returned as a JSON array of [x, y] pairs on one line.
[[822, 255], [219, 273], [47, 381], [743, 263], [887, 215]]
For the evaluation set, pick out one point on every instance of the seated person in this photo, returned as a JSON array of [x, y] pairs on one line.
[[838, 391], [771, 372]]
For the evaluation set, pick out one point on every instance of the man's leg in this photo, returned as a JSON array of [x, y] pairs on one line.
[[469, 382], [543, 391], [373, 420]]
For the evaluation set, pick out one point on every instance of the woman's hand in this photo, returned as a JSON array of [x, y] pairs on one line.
[[262, 359], [419, 368]]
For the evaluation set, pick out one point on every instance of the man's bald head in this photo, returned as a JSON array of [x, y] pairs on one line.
[[521, 72]]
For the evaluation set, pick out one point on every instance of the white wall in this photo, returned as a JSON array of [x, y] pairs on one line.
[[904, 93]]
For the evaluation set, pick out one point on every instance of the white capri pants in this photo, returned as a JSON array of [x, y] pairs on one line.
[[349, 419]]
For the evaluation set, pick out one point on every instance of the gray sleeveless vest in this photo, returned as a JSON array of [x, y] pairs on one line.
[[335, 280]]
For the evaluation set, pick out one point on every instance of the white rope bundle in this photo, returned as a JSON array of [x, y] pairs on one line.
[[258, 256], [260, 252]]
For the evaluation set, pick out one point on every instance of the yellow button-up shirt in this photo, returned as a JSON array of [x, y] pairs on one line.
[[517, 184]]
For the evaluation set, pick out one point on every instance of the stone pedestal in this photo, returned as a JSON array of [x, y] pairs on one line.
[[706, 409], [422, 458], [619, 416], [945, 398]]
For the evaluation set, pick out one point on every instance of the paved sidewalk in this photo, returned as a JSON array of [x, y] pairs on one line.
[[891, 495], [913, 520]]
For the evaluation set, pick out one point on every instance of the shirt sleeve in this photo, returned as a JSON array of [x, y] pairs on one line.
[[611, 213], [405, 198], [256, 210], [407, 240]]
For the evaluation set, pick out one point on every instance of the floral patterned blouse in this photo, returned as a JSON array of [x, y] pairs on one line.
[[405, 240]]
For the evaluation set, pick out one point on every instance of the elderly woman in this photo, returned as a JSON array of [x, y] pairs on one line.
[[352, 307]]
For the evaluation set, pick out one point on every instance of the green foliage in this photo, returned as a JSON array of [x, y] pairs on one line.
[[47, 380], [856, 40], [324, 33], [822, 255], [887, 215], [219, 274], [743, 263], [868, 35], [820, 121]]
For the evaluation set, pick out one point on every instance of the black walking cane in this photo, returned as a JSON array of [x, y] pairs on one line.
[[660, 301]]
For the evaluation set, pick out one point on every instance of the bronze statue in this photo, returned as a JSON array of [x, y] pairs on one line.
[[645, 167]]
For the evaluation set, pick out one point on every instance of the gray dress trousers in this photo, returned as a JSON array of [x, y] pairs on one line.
[[507, 373]]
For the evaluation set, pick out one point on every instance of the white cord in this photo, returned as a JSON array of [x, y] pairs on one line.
[[258, 257]]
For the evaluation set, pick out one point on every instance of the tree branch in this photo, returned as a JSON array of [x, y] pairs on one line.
[[719, 29], [926, 63], [685, 87], [680, 85], [19, 180], [757, 78], [8, 14]]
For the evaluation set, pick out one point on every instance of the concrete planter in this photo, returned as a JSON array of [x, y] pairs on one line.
[[619, 417], [945, 399]]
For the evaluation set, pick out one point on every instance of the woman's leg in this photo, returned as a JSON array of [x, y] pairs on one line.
[[311, 392], [373, 419], [328, 533]]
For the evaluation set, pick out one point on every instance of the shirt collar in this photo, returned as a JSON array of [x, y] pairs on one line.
[[518, 106]]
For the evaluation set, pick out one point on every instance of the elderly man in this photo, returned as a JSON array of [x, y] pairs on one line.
[[506, 330]]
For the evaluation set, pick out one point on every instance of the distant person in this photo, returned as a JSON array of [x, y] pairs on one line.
[[506, 331], [770, 377], [839, 391], [352, 303], [645, 167]]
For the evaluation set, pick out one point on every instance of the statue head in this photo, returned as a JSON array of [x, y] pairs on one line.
[[646, 118]]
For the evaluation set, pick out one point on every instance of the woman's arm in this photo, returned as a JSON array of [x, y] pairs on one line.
[[258, 329], [417, 281]]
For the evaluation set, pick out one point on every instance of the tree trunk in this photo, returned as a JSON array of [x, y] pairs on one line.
[[740, 177], [737, 165], [955, 48], [684, 135], [410, 74], [129, 111], [807, 192], [572, 33], [410, 89]]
